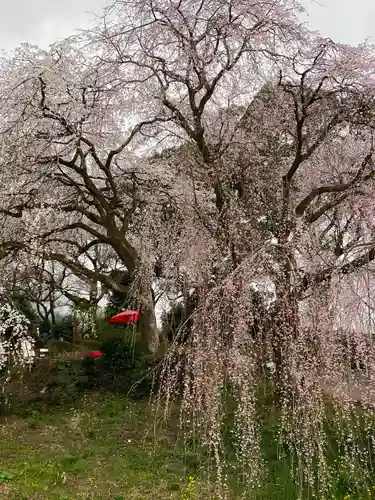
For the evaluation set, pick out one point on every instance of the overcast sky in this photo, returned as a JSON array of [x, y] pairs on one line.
[[349, 21], [42, 21]]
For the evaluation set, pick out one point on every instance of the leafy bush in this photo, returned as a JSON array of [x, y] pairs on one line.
[[57, 347], [66, 382], [55, 382], [63, 328], [124, 367], [89, 344], [107, 330]]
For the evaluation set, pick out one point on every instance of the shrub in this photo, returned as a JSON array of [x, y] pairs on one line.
[[89, 344], [106, 331], [53, 382], [124, 367], [66, 382], [57, 347], [63, 328]]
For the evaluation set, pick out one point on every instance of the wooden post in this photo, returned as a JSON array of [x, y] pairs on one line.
[[74, 328]]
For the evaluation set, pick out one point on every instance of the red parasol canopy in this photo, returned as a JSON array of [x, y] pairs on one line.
[[125, 317], [94, 354]]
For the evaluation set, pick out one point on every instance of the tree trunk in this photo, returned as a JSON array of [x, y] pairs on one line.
[[285, 330], [52, 313], [285, 324], [146, 326]]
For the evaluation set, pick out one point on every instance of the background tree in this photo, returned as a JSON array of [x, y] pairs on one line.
[[74, 185]]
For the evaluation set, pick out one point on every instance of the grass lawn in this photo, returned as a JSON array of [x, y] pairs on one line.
[[104, 449]]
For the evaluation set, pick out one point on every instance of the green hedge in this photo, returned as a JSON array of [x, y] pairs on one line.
[[59, 347], [90, 344], [59, 380], [124, 367]]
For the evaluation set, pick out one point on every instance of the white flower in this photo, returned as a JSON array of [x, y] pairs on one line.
[[16, 346]]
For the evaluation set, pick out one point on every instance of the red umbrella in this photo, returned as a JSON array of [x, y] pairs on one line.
[[125, 317], [95, 354]]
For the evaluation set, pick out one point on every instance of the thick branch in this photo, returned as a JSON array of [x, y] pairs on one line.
[[334, 188], [325, 275]]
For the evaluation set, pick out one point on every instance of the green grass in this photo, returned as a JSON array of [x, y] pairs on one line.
[[107, 447], [101, 449]]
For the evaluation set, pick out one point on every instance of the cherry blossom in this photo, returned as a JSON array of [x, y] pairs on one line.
[[16, 345]]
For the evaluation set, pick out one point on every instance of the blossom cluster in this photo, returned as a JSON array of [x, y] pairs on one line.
[[16, 345]]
